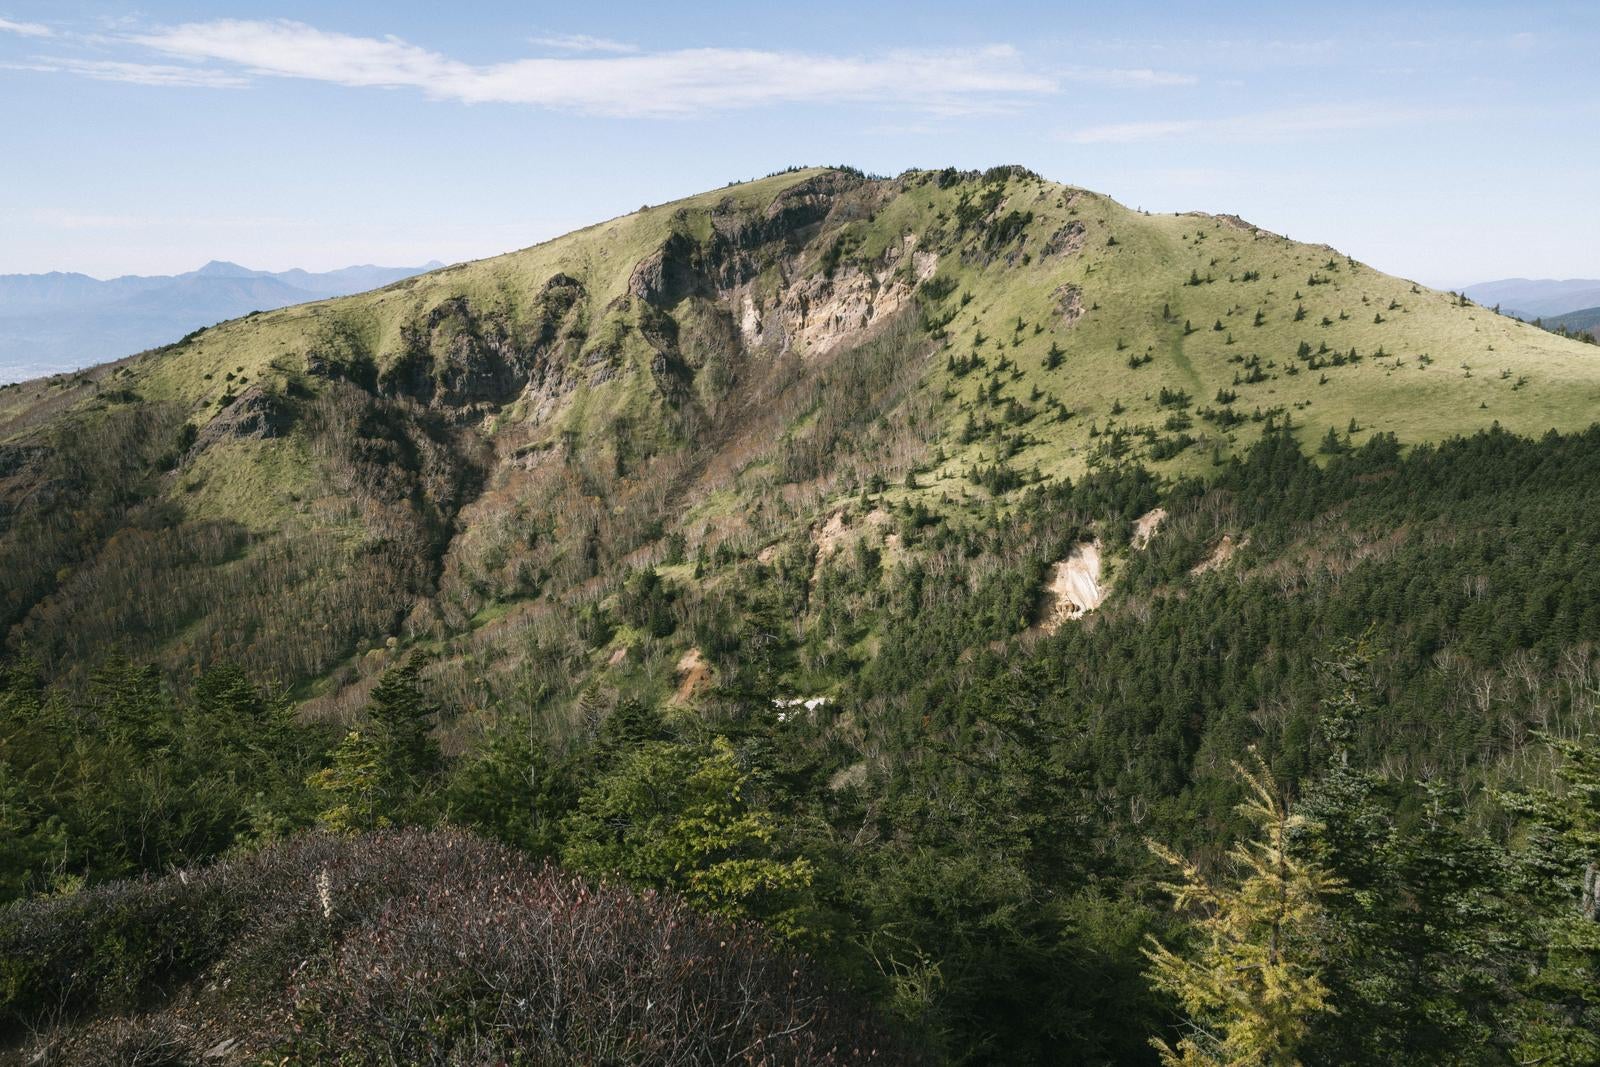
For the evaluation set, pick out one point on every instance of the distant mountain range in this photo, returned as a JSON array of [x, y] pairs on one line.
[[1584, 321], [1544, 298], [60, 321]]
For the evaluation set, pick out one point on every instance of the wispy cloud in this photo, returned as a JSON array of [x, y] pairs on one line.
[[1282, 124], [160, 74], [582, 42], [25, 29], [577, 72], [649, 84]]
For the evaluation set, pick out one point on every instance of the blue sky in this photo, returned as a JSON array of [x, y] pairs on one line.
[[1450, 143]]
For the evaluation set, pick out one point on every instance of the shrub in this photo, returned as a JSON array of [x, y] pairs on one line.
[[413, 947]]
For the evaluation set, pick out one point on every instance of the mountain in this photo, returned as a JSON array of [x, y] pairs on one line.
[[56, 322], [1528, 299], [887, 561], [453, 441], [1586, 320]]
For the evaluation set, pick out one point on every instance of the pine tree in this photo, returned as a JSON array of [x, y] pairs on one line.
[[1422, 936], [1560, 870], [349, 786], [402, 725], [1252, 985], [385, 772], [680, 816]]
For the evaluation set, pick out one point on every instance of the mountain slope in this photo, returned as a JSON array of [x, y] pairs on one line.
[[471, 456], [888, 562]]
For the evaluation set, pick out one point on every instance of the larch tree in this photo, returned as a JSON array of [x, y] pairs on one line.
[[1251, 983]]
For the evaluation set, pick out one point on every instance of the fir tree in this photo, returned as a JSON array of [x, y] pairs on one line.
[[1252, 985]]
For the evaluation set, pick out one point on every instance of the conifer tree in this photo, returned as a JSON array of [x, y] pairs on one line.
[[1251, 986], [675, 815], [349, 786], [402, 725], [1560, 870], [384, 772]]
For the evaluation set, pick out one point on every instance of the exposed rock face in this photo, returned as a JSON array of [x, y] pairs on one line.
[[465, 356], [737, 248], [694, 676], [755, 284], [1146, 525], [820, 313], [1074, 588], [1069, 303], [1065, 241], [1220, 556], [460, 357], [254, 416], [679, 268], [803, 205]]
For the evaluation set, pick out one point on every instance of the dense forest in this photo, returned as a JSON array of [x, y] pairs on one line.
[[1330, 796]]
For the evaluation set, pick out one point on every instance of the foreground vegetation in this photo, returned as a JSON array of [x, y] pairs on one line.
[[410, 948], [982, 831]]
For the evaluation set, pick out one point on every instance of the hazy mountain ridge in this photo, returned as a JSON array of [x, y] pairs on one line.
[[1586, 320], [1530, 299], [61, 321]]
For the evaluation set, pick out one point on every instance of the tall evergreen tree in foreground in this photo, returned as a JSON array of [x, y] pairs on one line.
[[1252, 983], [1560, 872]]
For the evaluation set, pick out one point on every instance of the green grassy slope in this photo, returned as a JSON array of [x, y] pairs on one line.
[[511, 436], [1430, 366]]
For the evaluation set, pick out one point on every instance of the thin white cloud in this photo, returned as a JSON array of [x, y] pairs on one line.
[[598, 76], [582, 42], [1138, 78], [657, 84], [25, 29], [157, 74], [1282, 124]]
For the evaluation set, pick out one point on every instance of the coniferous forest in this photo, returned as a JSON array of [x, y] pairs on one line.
[[1338, 803]]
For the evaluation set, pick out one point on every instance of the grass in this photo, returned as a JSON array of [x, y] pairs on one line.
[[1132, 273], [1125, 286]]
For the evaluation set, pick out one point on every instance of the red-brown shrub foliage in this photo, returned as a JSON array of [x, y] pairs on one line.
[[410, 947]]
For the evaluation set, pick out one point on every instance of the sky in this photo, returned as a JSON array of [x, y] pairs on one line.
[[1449, 143]]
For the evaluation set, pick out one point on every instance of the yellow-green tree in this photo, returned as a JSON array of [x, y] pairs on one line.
[[348, 786], [1250, 985], [681, 816], [386, 770]]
